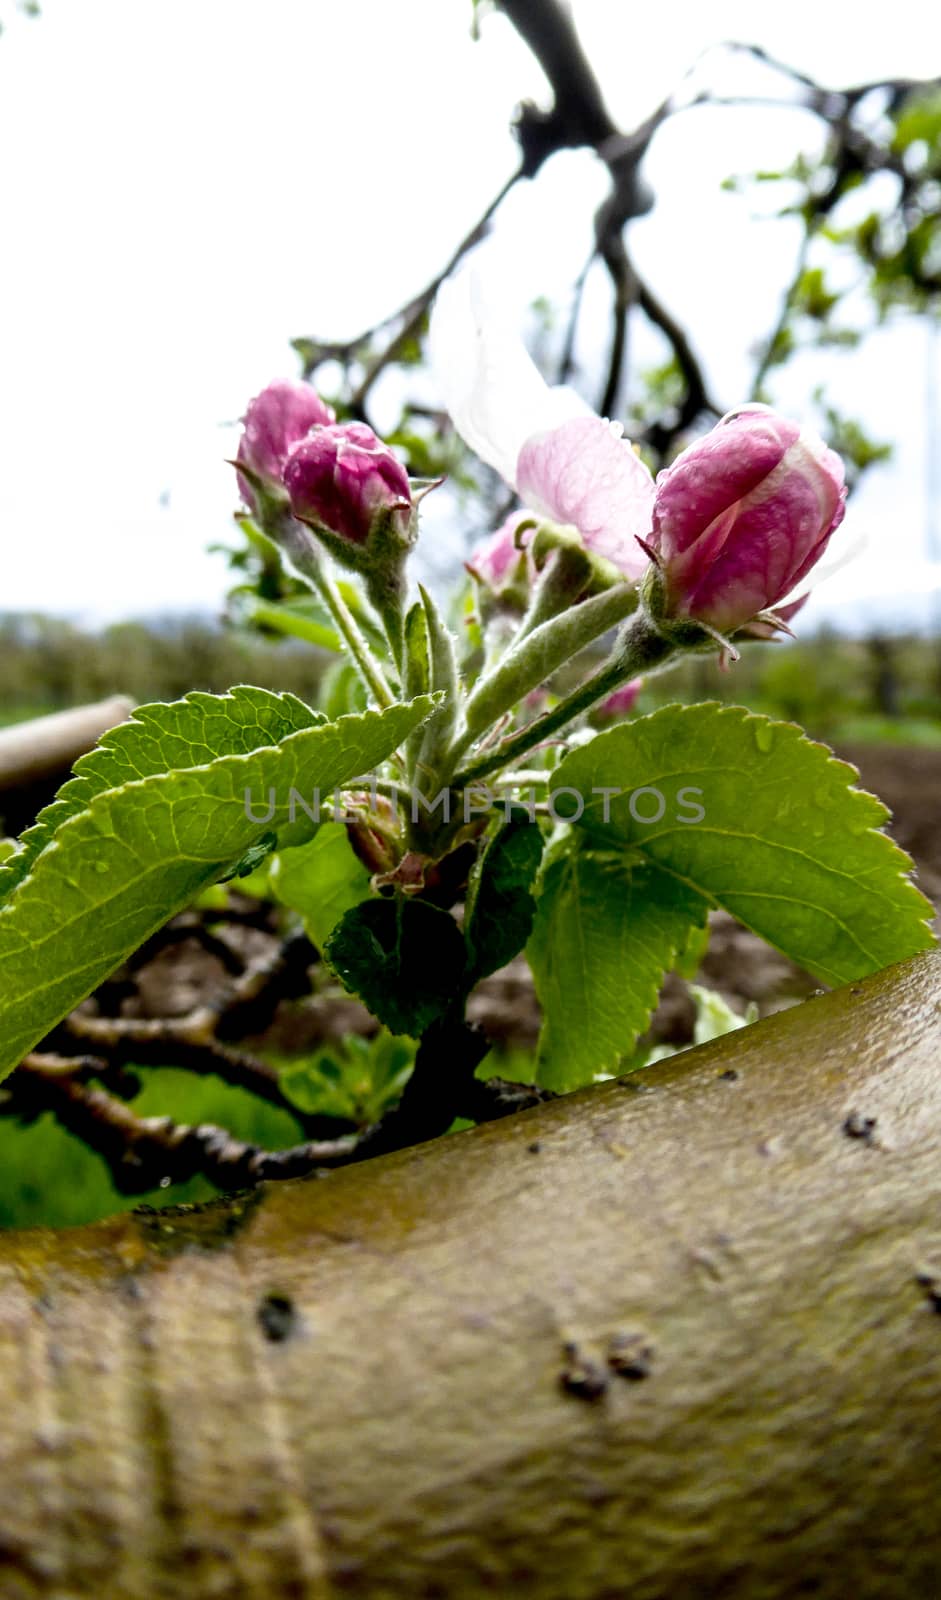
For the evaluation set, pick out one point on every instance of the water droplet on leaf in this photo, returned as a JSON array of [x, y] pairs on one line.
[[764, 737]]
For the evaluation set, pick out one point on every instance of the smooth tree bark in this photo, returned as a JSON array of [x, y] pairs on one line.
[[46, 748], [672, 1337]]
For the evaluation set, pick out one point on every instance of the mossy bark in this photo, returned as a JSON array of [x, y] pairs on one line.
[[664, 1340]]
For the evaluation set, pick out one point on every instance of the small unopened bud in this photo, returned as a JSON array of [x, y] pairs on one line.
[[342, 480], [501, 565], [275, 420], [739, 518], [621, 701], [354, 493]]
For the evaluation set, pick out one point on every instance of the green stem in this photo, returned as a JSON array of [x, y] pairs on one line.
[[641, 649], [564, 577], [298, 546], [388, 601], [394, 624], [535, 657]]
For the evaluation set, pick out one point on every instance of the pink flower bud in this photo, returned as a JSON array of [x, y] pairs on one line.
[[343, 480], [622, 700], [741, 516], [495, 562], [275, 420]]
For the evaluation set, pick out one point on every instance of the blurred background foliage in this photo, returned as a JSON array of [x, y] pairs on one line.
[[836, 687]]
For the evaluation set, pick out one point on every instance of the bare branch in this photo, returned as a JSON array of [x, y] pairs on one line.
[[145, 1153], [567, 358], [407, 320], [697, 398], [578, 115]]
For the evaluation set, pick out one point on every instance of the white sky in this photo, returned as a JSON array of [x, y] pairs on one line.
[[187, 184]]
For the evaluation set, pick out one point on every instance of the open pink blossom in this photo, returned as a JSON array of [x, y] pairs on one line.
[[284, 412], [742, 515], [567, 464]]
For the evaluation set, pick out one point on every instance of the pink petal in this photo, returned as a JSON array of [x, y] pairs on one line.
[[715, 472], [585, 474]]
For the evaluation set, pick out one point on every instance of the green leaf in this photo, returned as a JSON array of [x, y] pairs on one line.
[[321, 880], [255, 856], [714, 1018], [404, 959], [138, 853], [759, 820], [608, 925], [342, 690], [164, 738], [499, 909], [290, 618], [690, 958], [355, 1078]]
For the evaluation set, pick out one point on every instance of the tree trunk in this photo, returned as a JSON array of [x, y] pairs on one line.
[[671, 1338]]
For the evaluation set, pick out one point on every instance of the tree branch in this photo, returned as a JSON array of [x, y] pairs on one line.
[[690, 1335], [144, 1153]]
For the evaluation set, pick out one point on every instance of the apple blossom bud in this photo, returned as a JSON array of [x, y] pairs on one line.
[[621, 701], [500, 565], [275, 420], [739, 518], [342, 480]]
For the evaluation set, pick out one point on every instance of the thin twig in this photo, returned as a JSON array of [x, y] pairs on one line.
[[624, 289], [567, 358], [145, 1153]]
